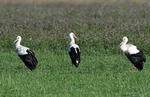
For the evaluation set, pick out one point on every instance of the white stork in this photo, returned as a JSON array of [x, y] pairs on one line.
[[135, 55], [26, 55], [74, 50]]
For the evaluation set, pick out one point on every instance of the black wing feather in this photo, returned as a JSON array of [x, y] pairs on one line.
[[137, 59], [29, 60], [75, 56]]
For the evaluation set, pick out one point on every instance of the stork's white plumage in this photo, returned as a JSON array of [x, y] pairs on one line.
[[135, 55], [129, 48], [74, 50], [26, 55], [21, 50]]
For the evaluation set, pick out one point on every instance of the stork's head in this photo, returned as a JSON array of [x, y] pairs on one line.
[[124, 40], [18, 39], [72, 35]]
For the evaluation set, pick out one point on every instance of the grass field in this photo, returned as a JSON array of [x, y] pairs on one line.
[[97, 76], [74, 2], [104, 70]]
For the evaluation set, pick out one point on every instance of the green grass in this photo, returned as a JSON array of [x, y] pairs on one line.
[[97, 75], [104, 70]]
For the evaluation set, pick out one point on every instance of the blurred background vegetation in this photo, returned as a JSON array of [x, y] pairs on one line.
[[71, 1], [99, 25]]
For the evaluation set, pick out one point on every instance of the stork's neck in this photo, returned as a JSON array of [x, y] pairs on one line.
[[123, 47], [18, 43], [72, 40]]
